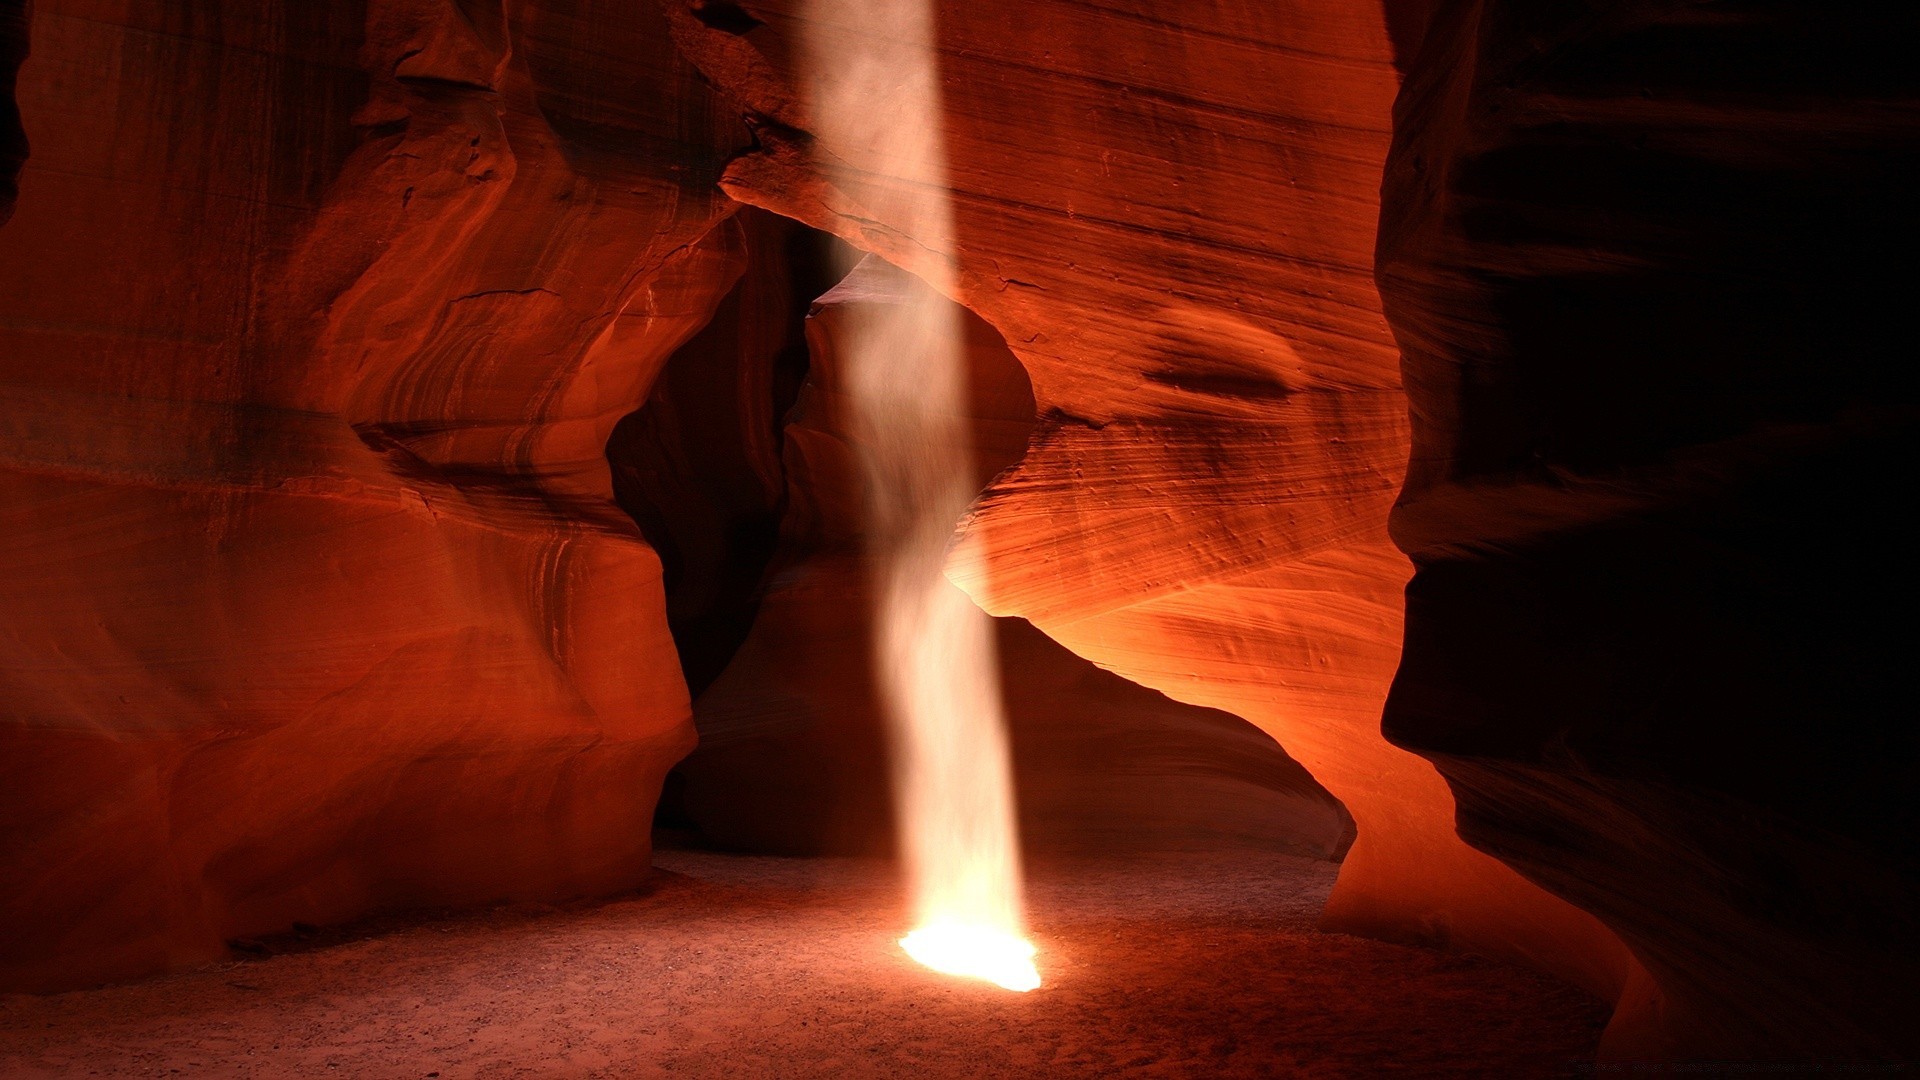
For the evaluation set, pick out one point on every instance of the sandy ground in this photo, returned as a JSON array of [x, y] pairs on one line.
[[728, 966]]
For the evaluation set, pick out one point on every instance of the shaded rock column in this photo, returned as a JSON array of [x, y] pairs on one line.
[[1650, 266]]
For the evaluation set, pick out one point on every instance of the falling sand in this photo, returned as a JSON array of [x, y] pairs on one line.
[[952, 780]]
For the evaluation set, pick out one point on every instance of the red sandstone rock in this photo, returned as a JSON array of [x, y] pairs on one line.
[[1169, 217], [315, 598], [793, 754]]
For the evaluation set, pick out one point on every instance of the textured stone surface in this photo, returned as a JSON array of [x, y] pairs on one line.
[[1650, 265], [793, 754], [314, 321], [1169, 216]]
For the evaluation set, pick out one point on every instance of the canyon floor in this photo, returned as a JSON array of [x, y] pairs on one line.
[[732, 966]]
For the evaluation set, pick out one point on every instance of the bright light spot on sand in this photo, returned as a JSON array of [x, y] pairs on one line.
[[874, 95], [976, 952]]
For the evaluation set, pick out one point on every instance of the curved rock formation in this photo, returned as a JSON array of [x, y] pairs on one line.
[[793, 755], [1170, 220], [316, 319], [1649, 265], [315, 324]]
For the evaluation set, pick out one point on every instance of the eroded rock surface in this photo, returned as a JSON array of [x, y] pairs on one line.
[[793, 755], [314, 321], [1650, 266], [1169, 216]]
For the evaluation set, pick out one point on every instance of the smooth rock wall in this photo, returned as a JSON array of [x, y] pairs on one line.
[[314, 322]]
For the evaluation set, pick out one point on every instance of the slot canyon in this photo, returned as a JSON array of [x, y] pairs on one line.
[[1430, 522]]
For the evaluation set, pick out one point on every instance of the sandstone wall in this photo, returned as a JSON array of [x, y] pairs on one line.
[[793, 745], [1650, 266], [314, 321], [1169, 216]]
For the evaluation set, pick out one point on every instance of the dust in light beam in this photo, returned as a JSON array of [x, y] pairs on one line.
[[875, 94]]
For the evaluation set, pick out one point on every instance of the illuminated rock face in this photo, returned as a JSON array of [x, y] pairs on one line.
[[793, 754], [316, 321], [1651, 271], [1170, 221], [321, 600]]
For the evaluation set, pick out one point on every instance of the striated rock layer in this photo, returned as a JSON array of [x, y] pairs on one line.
[[1650, 266], [793, 755], [314, 321], [1169, 215]]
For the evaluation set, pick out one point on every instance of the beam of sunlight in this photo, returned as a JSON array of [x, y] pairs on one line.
[[875, 91]]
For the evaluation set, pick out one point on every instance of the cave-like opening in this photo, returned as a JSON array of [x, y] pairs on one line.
[[736, 468]]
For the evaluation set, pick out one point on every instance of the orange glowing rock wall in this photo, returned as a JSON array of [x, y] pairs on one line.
[[314, 321], [792, 754], [1169, 216]]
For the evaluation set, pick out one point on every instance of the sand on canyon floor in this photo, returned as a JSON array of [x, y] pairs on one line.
[[735, 966]]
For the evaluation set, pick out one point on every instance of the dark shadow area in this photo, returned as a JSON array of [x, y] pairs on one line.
[[15, 18], [698, 466], [1665, 663], [1407, 27]]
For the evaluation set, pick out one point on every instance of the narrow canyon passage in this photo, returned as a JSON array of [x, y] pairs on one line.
[[1439, 476], [1169, 965]]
